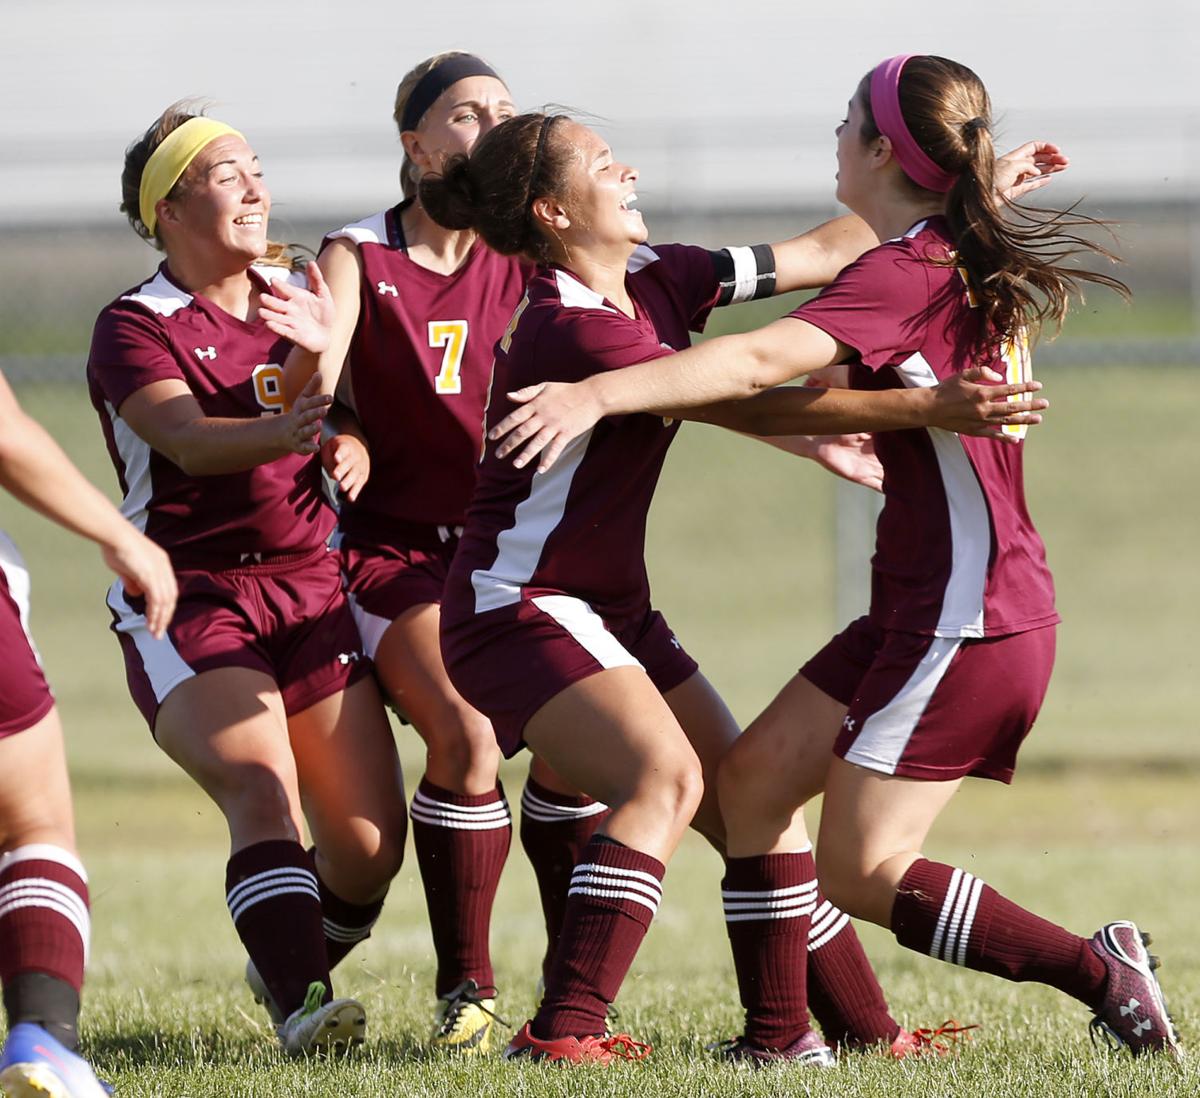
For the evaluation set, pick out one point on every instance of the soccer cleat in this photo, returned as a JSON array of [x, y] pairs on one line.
[[575, 1050], [1134, 1013], [463, 1020], [809, 1049], [35, 1065], [318, 1028], [262, 994], [936, 1041]]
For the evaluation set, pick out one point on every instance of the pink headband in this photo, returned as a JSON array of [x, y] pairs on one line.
[[885, 105]]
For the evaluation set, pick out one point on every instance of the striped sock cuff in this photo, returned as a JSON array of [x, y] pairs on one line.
[[269, 884], [438, 807], [547, 806], [953, 930], [47, 878], [348, 935], [769, 887], [827, 923], [616, 874]]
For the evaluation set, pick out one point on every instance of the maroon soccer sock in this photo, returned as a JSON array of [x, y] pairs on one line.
[[768, 902], [345, 924], [843, 994], [275, 904], [462, 842], [954, 916], [613, 895], [555, 827], [44, 931]]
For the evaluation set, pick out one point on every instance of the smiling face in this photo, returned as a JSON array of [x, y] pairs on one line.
[[222, 203], [461, 115], [600, 206]]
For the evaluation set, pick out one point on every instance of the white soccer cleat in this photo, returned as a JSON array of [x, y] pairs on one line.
[[262, 994], [323, 1028]]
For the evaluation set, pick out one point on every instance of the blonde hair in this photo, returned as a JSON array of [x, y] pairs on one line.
[[138, 154]]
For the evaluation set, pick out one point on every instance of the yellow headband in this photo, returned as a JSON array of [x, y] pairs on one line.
[[171, 159]]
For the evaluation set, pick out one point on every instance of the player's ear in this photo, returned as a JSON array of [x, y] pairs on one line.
[[550, 213], [411, 140]]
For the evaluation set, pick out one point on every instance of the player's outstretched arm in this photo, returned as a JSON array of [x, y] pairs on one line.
[[167, 415], [34, 468]]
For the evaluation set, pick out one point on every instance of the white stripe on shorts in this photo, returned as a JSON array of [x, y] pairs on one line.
[[16, 576], [881, 742], [161, 661], [371, 627], [588, 629]]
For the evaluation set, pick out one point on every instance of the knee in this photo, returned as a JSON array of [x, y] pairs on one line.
[[747, 781], [463, 739], [257, 800], [678, 788]]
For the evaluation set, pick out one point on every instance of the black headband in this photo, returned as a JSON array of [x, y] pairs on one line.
[[437, 80], [547, 122]]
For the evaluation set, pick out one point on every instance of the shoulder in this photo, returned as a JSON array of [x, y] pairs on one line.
[[375, 229], [157, 296]]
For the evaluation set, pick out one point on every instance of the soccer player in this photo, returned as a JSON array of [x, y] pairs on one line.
[[44, 916], [944, 677], [259, 689], [547, 625]]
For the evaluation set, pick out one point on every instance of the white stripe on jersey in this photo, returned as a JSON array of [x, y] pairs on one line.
[[161, 661], [970, 522], [16, 575], [160, 295], [134, 453], [370, 230], [519, 548], [884, 735], [588, 629], [643, 256], [575, 295]]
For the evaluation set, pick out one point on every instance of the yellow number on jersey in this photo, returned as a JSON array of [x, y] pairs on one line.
[[1018, 367], [451, 334], [268, 388]]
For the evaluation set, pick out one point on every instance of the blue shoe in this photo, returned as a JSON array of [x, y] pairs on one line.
[[35, 1065]]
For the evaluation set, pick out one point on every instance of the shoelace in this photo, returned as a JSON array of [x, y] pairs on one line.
[[927, 1037], [625, 1047], [461, 1000], [314, 998]]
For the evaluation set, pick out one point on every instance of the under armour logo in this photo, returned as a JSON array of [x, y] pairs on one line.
[[206, 352], [675, 642], [1140, 1025], [348, 657], [388, 288], [848, 724]]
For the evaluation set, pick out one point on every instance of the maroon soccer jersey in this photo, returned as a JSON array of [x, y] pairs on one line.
[[234, 369], [956, 552], [419, 367], [580, 527]]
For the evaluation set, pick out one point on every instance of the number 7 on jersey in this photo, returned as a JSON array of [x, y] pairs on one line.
[[452, 335]]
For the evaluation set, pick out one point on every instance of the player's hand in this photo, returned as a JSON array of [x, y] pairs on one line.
[[1027, 168], [551, 415], [979, 402], [348, 462], [305, 316], [145, 570], [300, 426], [850, 456]]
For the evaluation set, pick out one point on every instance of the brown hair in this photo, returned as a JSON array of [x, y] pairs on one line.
[[138, 154], [1019, 259], [492, 191], [408, 175]]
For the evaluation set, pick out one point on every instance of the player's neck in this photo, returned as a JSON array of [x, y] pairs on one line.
[[891, 216], [604, 272], [431, 246], [226, 284]]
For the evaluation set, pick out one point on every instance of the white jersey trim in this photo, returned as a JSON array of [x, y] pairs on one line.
[[134, 453], [643, 256], [575, 295], [880, 743], [370, 230], [16, 575], [161, 662], [160, 295], [588, 629], [970, 522], [519, 548]]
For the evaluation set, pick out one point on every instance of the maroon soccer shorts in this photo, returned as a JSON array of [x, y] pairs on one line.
[[934, 708], [384, 581], [24, 696], [509, 662], [286, 617]]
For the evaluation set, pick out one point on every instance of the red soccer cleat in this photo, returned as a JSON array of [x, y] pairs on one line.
[[1134, 1013], [808, 1049], [575, 1050]]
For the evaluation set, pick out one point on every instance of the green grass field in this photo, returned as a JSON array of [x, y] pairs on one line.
[[1102, 823]]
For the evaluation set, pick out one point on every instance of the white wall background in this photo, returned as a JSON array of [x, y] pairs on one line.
[[718, 103]]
